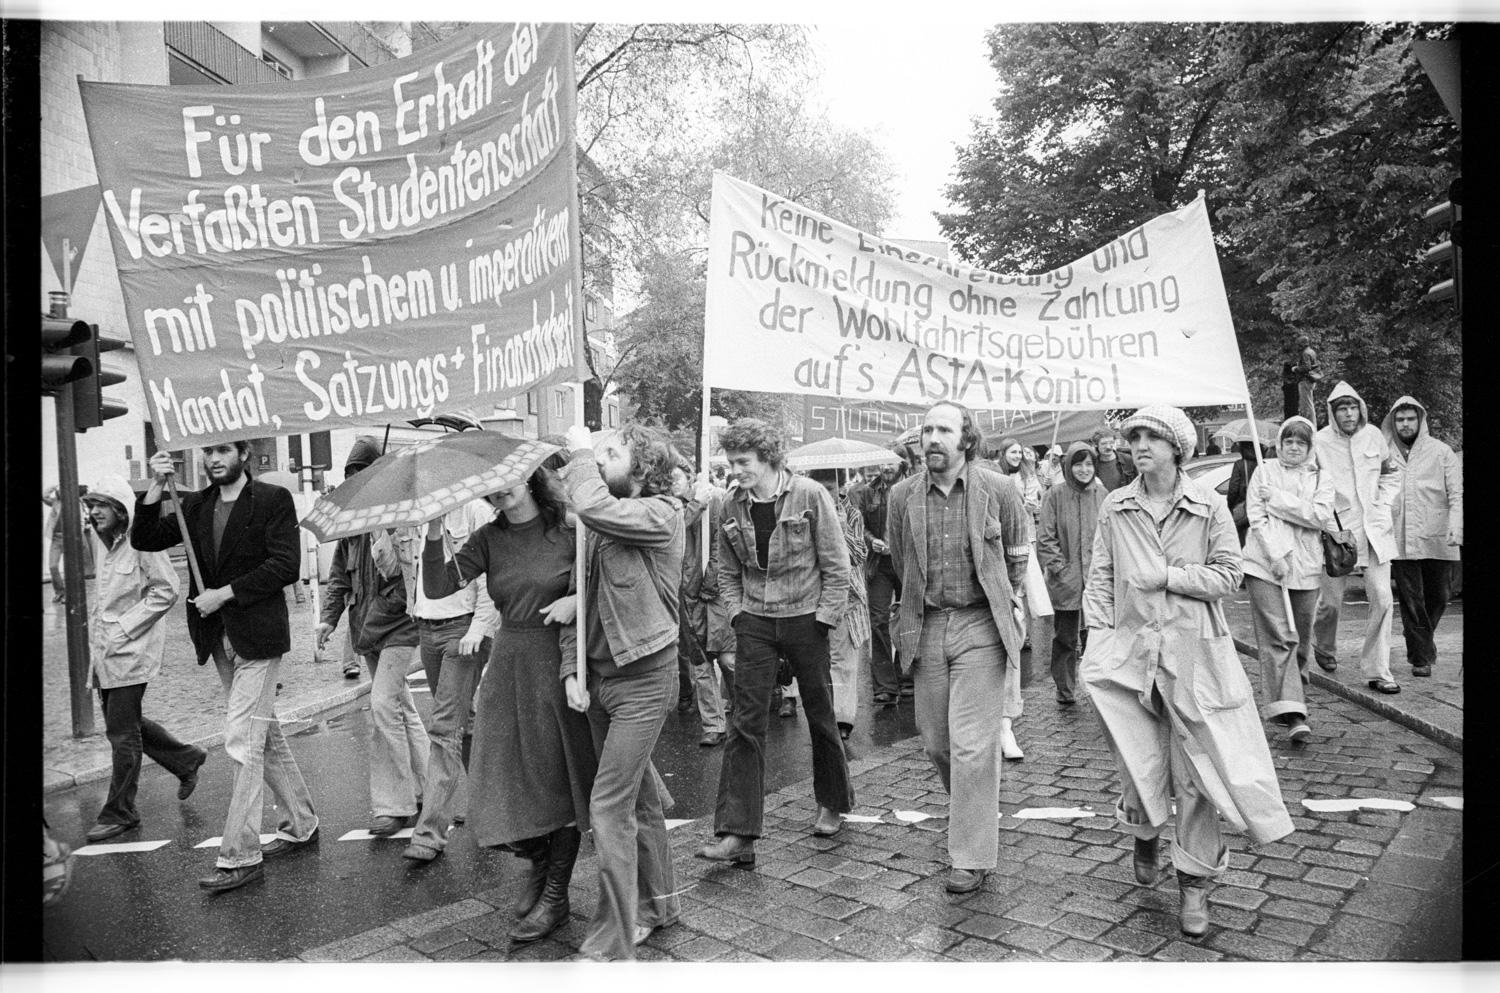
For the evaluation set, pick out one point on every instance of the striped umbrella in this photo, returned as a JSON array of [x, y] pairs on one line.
[[839, 453]]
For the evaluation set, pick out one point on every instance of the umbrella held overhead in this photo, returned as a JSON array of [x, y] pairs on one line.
[[839, 453]]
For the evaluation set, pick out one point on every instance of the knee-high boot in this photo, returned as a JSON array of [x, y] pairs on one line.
[[534, 851], [551, 911]]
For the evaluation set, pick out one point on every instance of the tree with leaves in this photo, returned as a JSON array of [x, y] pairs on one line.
[[1315, 144]]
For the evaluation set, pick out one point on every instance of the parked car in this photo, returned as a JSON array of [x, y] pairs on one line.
[[1212, 469]]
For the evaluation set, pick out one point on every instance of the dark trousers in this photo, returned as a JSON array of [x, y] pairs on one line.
[[1069, 637], [1422, 587], [129, 734], [742, 776], [882, 590]]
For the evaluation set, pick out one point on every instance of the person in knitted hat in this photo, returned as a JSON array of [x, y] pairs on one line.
[[1161, 669]]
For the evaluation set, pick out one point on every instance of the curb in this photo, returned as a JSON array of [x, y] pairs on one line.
[[1371, 701], [104, 770]]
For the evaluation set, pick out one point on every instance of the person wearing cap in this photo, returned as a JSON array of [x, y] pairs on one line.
[[133, 590], [1366, 482], [244, 538], [1429, 528], [1050, 470], [1176, 708], [1064, 546], [1289, 503], [373, 588]]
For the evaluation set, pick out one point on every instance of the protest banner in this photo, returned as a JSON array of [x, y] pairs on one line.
[[801, 303], [880, 422], [368, 247]]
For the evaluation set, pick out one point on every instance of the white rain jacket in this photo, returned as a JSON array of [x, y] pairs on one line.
[[1288, 508], [132, 591], [1365, 478], [1428, 515]]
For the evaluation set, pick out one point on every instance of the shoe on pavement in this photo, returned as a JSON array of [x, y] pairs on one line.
[[1384, 685], [351, 669], [420, 853], [188, 783], [1326, 664], [788, 707], [1009, 747], [730, 848], [277, 847], [1146, 871], [1066, 701], [1421, 670], [828, 823], [1193, 913], [223, 880], [710, 739], [104, 832], [1300, 732], [964, 880], [845, 730], [384, 827]]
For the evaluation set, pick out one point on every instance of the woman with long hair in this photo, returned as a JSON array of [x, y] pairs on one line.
[[1288, 505], [532, 763], [1012, 463]]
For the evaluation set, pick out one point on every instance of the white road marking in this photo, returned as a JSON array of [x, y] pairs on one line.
[[862, 819], [676, 824], [360, 834], [910, 816], [1043, 813], [121, 848], [1451, 802], [1357, 803], [265, 839]]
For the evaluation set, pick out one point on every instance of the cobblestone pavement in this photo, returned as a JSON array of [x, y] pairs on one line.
[[1344, 886]]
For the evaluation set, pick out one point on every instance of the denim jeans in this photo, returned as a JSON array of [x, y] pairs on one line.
[[637, 883], [1423, 586], [260, 757], [129, 733], [452, 677], [398, 742], [882, 589], [960, 675], [741, 802]]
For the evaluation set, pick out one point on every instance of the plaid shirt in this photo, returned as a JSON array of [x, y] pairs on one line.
[[951, 578]]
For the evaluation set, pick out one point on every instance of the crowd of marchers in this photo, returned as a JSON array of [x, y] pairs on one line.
[[934, 570]]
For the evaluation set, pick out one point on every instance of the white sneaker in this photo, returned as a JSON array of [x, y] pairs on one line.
[[1009, 748]]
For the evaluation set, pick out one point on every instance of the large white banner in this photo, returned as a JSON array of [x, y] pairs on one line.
[[801, 303]]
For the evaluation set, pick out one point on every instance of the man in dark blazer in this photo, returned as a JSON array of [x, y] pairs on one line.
[[958, 537], [244, 534]]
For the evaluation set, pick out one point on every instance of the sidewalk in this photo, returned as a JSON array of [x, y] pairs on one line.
[[1349, 886], [185, 698]]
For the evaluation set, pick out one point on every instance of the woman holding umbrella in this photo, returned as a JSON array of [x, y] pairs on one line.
[[533, 761], [1288, 505]]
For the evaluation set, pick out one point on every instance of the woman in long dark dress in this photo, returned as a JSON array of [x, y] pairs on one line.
[[532, 763]]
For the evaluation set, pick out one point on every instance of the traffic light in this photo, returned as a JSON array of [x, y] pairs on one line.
[[60, 365], [1448, 217], [91, 407]]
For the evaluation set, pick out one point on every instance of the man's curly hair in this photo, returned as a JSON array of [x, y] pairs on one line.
[[652, 458], [751, 434]]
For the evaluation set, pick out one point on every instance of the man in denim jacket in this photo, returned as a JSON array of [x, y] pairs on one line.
[[784, 576]]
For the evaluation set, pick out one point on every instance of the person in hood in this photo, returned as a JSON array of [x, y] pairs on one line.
[[1162, 671], [1354, 454], [1289, 503], [370, 583], [1065, 544], [244, 538], [133, 590], [1429, 528]]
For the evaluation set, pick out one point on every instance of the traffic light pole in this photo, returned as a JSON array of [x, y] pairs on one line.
[[76, 608]]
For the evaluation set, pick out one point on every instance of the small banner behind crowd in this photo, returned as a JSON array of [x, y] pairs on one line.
[[377, 245], [801, 303], [878, 422]]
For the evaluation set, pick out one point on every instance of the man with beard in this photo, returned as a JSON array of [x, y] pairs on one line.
[[632, 578], [244, 534], [871, 500], [1429, 526], [959, 541], [1112, 466]]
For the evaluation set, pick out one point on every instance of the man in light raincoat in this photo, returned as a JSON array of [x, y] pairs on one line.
[[133, 590], [1429, 527], [1366, 480], [1161, 668]]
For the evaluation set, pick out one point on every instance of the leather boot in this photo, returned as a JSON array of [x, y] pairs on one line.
[[1145, 861], [534, 851], [551, 911], [1193, 914]]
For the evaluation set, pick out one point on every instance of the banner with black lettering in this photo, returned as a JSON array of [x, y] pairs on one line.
[[801, 303], [377, 245]]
